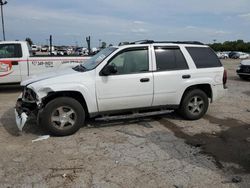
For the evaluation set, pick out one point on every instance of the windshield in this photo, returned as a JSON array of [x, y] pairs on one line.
[[98, 58]]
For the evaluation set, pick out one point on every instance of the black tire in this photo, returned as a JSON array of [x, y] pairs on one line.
[[192, 110], [63, 116]]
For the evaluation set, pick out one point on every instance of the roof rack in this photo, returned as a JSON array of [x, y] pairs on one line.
[[175, 42]]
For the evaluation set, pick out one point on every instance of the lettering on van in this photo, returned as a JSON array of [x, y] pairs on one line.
[[47, 64], [72, 61]]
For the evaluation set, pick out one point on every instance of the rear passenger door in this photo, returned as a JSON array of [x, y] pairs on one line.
[[170, 75]]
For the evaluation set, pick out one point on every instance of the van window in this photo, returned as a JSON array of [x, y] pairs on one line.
[[204, 57], [10, 50]]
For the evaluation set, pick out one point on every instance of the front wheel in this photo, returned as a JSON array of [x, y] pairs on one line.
[[194, 104], [63, 116]]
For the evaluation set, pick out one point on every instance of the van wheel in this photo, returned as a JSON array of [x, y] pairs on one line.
[[194, 104], [63, 116]]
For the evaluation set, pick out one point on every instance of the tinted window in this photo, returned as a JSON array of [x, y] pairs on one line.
[[204, 57], [170, 59], [131, 61], [10, 50]]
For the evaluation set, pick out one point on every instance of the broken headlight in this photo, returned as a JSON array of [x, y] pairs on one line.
[[29, 95]]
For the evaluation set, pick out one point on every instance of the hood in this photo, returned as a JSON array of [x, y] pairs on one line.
[[245, 62], [48, 75]]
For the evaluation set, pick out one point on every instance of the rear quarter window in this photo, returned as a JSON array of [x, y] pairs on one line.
[[204, 57]]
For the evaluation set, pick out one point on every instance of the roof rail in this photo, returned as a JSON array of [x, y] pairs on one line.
[[175, 42], [142, 42], [181, 42]]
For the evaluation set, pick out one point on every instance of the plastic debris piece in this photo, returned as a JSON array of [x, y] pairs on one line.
[[20, 120], [64, 175], [44, 137]]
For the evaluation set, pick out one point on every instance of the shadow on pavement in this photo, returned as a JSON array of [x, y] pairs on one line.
[[10, 88], [231, 145], [9, 123]]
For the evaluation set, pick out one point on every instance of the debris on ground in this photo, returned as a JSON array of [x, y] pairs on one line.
[[64, 175], [236, 179], [44, 137]]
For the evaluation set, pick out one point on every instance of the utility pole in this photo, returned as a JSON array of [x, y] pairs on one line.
[[1, 4], [50, 44], [88, 42], [100, 40]]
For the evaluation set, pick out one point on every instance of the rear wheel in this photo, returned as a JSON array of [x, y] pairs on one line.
[[63, 116], [194, 104]]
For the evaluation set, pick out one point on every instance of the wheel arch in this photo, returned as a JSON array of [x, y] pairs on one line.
[[206, 88], [73, 94]]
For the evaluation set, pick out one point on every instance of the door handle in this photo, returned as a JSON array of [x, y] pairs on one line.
[[14, 62], [144, 80], [187, 76]]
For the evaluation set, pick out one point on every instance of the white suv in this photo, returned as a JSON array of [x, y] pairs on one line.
[[185, 76]]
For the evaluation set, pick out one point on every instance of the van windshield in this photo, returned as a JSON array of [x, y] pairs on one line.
[[94, 61]]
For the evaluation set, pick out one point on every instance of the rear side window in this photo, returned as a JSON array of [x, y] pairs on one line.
[[170, 59], [10, 51], [204, 57]]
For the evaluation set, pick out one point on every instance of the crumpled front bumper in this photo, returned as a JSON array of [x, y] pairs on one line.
[[20, 119], [22, 113]]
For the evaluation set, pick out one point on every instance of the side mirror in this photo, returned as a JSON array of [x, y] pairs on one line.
[[108, 70]]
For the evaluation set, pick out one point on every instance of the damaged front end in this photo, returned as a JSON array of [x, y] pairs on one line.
[[27, 106]]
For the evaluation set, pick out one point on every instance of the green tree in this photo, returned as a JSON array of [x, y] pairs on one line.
[[30, 42], [238, 45], [104, 44]]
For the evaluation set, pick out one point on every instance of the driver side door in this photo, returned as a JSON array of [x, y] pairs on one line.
[[131, 86]]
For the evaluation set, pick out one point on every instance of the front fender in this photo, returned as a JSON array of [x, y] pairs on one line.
[[88, 93]]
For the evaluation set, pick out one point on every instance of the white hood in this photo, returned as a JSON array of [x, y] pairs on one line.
[[44, 76]]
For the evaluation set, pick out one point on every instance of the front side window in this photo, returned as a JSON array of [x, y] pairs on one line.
[[168, 58], [134, 60], [10, 51]]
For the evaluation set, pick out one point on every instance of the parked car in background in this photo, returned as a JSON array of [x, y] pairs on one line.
[[243, 69], [62, 52], [34, 48], [243, 55], [222, 55], [234, 55], [44, 49], [238, 55]]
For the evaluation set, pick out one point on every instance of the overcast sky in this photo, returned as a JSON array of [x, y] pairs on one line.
[[112, 21]]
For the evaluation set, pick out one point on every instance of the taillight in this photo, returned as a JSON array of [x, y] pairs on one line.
[[224, 77]]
